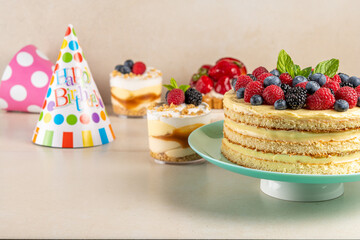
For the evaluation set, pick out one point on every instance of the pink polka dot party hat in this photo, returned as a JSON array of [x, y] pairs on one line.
[[25, 81], [73, 114]]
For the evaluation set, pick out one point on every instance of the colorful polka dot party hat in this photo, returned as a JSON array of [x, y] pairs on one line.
[[73, 114], [25, 81]]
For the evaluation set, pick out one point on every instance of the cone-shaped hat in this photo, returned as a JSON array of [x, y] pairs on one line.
[[73, 114]]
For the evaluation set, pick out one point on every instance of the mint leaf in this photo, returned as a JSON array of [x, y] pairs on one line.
[[328, 67], [169, 87], [297, 70], [285, 63], [173, 83], [305, 72], [184, 87]]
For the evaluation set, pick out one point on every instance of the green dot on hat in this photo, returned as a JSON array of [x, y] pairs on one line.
[[67, 57], [71, 119]]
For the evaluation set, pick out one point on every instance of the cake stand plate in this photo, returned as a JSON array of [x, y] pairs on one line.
[[206, 141]]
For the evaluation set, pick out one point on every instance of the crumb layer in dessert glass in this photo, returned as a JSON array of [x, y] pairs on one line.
[[169, 127], [131, 94]]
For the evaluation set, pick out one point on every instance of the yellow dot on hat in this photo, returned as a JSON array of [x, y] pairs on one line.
[[47, 118], [59, 56], [64, 44], [103, 116], [52, 80]]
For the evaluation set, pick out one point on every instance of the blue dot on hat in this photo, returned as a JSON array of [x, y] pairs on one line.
[[58, 119], [48, 92], [73, 45]]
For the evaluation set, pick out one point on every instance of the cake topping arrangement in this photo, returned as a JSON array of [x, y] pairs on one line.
[[290, 87], [137, 68], [177, 95]]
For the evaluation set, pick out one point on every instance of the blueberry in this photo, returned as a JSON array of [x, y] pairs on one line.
[[275, 72], [280, 104], [341, 105], [311, 87], [272, 80], [319, 78], [298, 79], [166, 94], [354, 81], [256, 100], [118, 67], [129, 63], [240, 93], [125, 70], [344, 77], [233, 82], [358, 102]]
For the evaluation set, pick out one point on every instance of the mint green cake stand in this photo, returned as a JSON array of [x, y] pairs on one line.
[[206, 141]]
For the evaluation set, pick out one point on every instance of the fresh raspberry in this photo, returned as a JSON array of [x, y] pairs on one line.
[[253, 88], [223, 85], [322, 99], [242, 81], [348, 94], [357, 89], [286, 78], [204, 84], [328, 79], [258, 71], [176, 96], [262, 76], [273, 93], [332, 85], [302, 85], [139, 68], [336, 78]]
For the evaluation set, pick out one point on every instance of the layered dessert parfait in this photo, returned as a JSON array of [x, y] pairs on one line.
[[214, 81], [134, 87], [292, 120], [170, 124]]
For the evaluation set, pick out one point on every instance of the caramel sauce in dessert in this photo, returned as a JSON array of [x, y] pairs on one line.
[[180, 135], [133, 102]]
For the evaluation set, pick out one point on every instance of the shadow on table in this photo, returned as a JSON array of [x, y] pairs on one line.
[[209, 190]]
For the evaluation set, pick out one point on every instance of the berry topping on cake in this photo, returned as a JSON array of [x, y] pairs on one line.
[[271, 80], [285, 87], [357, 89], [332, 85], [204, 84], [129, 63], [302, 85], [262, 76], [139, 68], [348, 94], [296, 97], [322, 99], [240, 93], [253, 88], [223, 85], [311, 87], [256, 100], [298, 79], [341, 105], [336, 78], [346, 84], [280, 104], [193, 96], [258, 71], [355, 81], [318, 77], [275, 72], [252, 76], [176, 94], [272, 93], [242, 81], [286, 78], [344, 77]]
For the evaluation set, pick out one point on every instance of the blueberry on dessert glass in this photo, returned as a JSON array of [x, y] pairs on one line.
[[170, 124], [134, 87]]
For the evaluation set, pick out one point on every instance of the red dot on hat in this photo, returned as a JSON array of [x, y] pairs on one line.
[[68, 31], [56, 67], [44, 105], [78, 57]]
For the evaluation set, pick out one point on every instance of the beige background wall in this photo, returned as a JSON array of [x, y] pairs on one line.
[[178, 36]]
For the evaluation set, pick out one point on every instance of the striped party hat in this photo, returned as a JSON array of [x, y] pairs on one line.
[[73, 114]]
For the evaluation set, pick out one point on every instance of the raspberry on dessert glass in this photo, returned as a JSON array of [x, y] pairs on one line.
[[171, 122], [214, 81], [134, 87]]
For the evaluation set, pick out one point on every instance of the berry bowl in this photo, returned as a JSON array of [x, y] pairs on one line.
[[206, 141]]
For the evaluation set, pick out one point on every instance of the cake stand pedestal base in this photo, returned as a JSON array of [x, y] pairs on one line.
[[302, 192]]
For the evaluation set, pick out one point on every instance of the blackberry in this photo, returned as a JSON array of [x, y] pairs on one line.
[[332, 91], [166, 95], [296, 97], [193, 96], [285, 87], [252, 77], [346, 84]]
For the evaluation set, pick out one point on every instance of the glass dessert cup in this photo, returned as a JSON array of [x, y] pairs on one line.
[[169, 131]]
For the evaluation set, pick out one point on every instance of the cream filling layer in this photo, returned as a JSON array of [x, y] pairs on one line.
[[239, 105], [170, 148], [291, 135], [291, 158]]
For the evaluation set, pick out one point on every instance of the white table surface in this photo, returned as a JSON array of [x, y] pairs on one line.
[[117, 191]]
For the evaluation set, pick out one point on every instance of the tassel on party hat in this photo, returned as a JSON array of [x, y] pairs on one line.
[[73, 112]]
